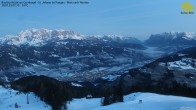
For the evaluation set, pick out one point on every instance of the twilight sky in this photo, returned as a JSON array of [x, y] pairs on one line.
[[135, 18]]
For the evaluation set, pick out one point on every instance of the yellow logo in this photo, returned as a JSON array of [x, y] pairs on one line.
[[187, 8]]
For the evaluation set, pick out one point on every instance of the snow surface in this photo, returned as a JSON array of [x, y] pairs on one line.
[[75, 84], [185, 64], [111, 77], [8, 98], [150, 101], [84, 104]]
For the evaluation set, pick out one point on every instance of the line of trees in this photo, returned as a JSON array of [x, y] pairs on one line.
[[112, 95]]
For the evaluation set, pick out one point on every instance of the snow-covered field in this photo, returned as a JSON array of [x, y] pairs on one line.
[[8, 99], [150, 101]]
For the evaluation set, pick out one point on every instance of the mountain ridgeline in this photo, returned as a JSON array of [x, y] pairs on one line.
[[172, 39]]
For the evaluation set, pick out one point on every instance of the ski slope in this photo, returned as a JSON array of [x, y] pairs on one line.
[[8, 98], [150, 101]]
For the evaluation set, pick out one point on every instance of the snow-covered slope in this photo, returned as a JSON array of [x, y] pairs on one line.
[[150, 101], [8, 99], [131, 102]]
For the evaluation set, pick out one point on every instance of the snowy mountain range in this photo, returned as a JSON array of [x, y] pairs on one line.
[[67, 55], [38, 37], [35, 37], [172, 39]]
